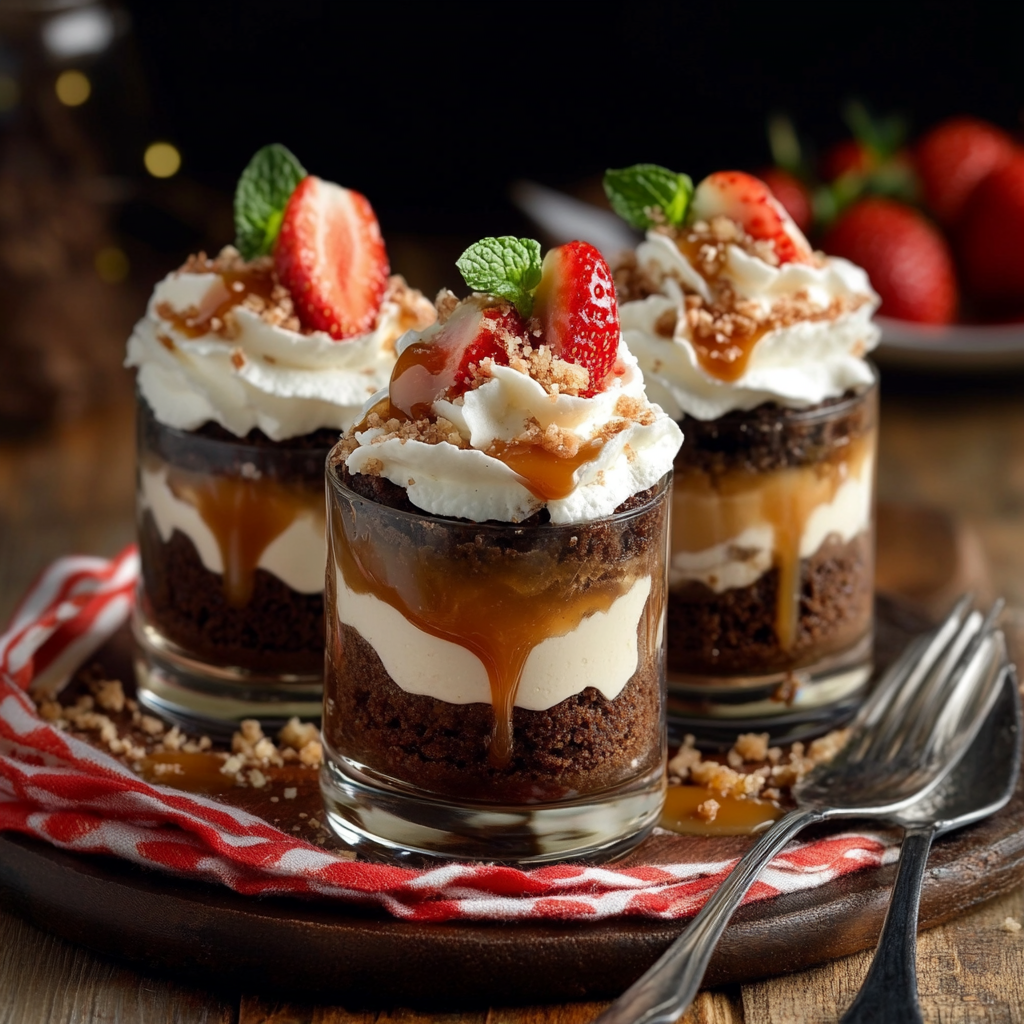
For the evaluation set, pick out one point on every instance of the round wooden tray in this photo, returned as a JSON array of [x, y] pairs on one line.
[[211, 935]]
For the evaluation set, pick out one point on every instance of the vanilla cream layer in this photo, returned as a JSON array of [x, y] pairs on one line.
[[601, 652], [743, 558], [297, 557]]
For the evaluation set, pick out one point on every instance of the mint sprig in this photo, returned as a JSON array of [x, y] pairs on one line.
[[646, 195], [262, 194], [507, 267]]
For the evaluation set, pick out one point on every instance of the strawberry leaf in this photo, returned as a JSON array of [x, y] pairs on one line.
[[507, 267], [646, 195], [262, 194]]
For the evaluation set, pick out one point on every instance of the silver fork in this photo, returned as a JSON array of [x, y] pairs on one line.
[[908, 736]]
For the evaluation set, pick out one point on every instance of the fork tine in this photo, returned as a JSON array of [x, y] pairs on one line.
[[969, 698], [912, 703], [903, 676], [947, 700]]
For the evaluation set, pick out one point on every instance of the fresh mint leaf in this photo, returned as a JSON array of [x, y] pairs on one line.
[[262, 194], [645, 195], [507, 267]]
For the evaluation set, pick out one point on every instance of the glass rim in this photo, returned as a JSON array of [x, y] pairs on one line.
[[235, 443], [662, 488]]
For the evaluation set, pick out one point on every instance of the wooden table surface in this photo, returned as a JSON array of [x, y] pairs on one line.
[[953, 443]]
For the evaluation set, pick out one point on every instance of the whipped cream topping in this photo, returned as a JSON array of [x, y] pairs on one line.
[[639, 445], [797, 365], [266, 375]]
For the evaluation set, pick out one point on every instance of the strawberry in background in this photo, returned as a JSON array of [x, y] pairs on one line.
[[992, 235], [954, 158], [905, 256]]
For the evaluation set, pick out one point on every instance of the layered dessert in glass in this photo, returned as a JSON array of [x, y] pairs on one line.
[[249, 366], [756, 345], [496, 598]]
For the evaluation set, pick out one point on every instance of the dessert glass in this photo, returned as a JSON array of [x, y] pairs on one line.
[[229, 611], [771, 577], [492, 690]]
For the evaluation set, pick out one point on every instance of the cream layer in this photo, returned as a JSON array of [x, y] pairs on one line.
[[600, 652], [297, 557], [743, 558]]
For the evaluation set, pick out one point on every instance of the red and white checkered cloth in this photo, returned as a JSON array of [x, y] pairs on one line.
[[68, 793]]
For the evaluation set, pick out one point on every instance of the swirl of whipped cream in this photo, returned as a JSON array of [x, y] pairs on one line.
[[282, 381], [639, 445], [797, 364]]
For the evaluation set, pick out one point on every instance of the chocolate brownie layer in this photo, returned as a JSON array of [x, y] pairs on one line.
[[733, 633], [771, 436], [278, 630], [212, 449], [582, 745]]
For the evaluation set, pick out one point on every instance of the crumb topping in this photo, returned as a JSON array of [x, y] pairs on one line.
[[253, 285], [752, 768], [725, 328]]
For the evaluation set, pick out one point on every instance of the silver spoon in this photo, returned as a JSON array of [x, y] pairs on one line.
[[980, 785]]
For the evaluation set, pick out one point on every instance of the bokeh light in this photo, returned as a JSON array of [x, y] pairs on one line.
[[73, 88], [111, 264], [162, 159]]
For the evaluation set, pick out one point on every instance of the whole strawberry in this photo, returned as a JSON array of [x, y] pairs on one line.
[[905, 257], [992, 235], [953, 159]]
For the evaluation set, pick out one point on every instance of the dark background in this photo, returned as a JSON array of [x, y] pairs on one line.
[[432, 109]]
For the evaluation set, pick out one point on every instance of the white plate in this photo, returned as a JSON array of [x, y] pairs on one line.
[[954, 347]]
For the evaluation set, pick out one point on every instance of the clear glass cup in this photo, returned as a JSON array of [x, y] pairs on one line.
[[771, 573], [230, 609], [493, 691]]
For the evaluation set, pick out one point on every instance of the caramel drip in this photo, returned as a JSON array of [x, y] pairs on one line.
[[236, 285], [546, 475], [195, 773], [710, 511], [499, 612], [423, 373], [723, 356], [734, 817], [245, 516]]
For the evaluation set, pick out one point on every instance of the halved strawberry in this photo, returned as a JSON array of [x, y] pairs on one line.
[[440, 366], [575, 304], [748, 201], [330, 256]]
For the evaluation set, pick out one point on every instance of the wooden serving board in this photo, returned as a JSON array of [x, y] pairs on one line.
[[210, 935]]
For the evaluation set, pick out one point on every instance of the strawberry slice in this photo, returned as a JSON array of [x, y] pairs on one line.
[[330, 256], [441, 365], [575, 304], [748, 201]]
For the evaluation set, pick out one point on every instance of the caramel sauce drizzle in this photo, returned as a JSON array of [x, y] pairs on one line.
[[245, 516], [724, 357], [235, 286], [424, 372], [707, 512], [734, 817], [500, 612]]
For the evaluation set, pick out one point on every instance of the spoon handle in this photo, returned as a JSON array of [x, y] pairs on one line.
[[889, 992], [668, 988]]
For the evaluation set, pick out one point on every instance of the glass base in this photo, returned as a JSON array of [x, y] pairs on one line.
[[789, 706], [384, 822], [215, 699]]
